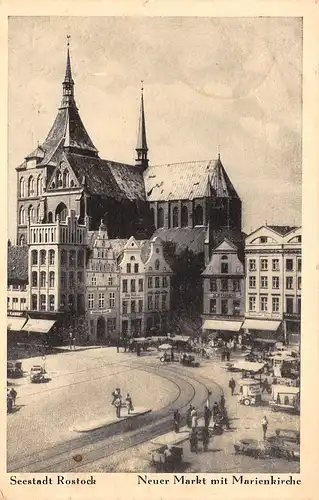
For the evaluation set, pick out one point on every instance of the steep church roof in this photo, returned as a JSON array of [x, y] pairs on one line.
[[187, 181]]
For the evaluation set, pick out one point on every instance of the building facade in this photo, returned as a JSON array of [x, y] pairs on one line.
[[273, 259], [17, 287], [223, 291]]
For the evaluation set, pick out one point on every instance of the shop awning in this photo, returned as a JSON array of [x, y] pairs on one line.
[[180, 338], [14, 323], [215, 324], [38, 325], [260, 324]]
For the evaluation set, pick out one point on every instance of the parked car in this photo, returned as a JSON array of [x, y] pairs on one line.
[[14, 369], [37, 373]]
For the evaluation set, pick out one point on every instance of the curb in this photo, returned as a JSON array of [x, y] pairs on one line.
[[110, 424]]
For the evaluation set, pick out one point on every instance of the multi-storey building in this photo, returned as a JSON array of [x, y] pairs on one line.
[[102, 288], [273, 282], [17, 287], [157, 288], [223, 288], [56, 273]]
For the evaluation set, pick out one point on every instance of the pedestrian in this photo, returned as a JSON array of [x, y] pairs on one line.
[[193, 441], [70, 339], [205, 437], [172, 355], [264, 424], [232, 385], [118, 345], [188, 417], [125, 345], [73, 343], [228, 355], [207, 403], [194, 418], [207, 416], [222, 402], [129, 404], [13, 393], [138, 349], [118, 404], [215, 409], [225, 418], [177, 420]]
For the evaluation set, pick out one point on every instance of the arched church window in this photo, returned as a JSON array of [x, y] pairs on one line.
[[160, 217], [22, 240], [175, 217], [38, 213], [198, 216], [62, 211], [59, 179], [184, 216], [22, 216], [31, 186], [39, 186], [31, 213], [50, 217], [22, 187], [66, 178], [157, 265]]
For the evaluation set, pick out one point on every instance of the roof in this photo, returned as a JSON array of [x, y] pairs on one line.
[[118, 245], [184, 238], [283, 230], [18, 264], [232, 235], [187, 181]]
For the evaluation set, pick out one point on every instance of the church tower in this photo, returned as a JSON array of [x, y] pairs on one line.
[[141, 146]]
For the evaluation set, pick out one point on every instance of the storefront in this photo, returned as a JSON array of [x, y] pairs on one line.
[[222, 328], [264, 331]]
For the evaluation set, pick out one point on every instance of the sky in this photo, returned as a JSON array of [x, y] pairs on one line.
[[232, 85]]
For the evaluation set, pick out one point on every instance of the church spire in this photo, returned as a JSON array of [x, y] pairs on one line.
[[141, 146], [68, 82]]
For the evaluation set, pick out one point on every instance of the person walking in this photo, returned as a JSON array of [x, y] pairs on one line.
[[188, 417], [118, 404], [264, 424], [205, 437], [129, 404], [194, 418], [215, 410], [13, 393], [177, 420], [118, 345], [232, 385], [207, 402], [207, 416], [225, 418], [193, 441], [222, 402], [70, 339]]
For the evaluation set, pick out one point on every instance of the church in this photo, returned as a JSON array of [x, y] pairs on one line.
[[192, 204]]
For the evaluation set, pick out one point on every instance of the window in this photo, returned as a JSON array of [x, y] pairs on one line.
[[160, 217], [236, 285], [91, 301], [212, 306], [133, 306], [34, 257], [63, 279], [150, 302], [224, 267], [140, 306], [124, 306], [165, 282], [63, 258], [264, 264], [264, 282], [289, 265], [51, 302], [128, 268], [275, 282], [62, 301], [51, 257], [299, 265], [263, 239], [252, 303], [124, 286], [71, 279], [22, 216], [22, 187], [34, 278], [213, 285], [136, 268], [289, 282], [164, 302], [101, 301], [156, 303], [198, 216], [299, 305], [275, 304], [43, 302], [157, 265], [299, 282], [93, 280], [23, 304], [21, 240], [175, 217], [275, 264], [51, 279], [15, 303], [80, 277], [224, 285], [140, 285], [31, 186], [34, 302], [133, 286], [43, 257], [289, 305], [224, 306], [80, 258], [252, 265], [72, 255], [111, 325], [157, 282], [184, 216], [71, 302], [236, 307], [112, 300], [110, 281], [252, 281], [31, 216], [264, 303], [150, 282]]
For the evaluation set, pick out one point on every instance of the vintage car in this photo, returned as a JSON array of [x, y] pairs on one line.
[[14, 369], [37, 374], [188, 360], [250, 391], [285, 398], [167, 458]]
